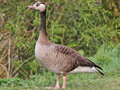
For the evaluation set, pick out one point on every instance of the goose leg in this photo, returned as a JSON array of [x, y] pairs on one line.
[[64, 81], [57, 83]]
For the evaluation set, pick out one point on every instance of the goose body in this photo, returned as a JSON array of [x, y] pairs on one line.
[[62, 60], [57, 58]]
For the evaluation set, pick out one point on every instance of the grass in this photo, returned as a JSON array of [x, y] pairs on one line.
[[107, 57], [74, 82]]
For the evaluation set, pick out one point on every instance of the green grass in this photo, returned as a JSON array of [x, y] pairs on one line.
[[74, 82]]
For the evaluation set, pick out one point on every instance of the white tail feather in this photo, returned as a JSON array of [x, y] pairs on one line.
[[82, 69]]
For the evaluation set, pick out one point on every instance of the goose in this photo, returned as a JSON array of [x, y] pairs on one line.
[[57, 58]]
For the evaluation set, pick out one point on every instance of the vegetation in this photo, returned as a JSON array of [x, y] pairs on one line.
[[112, 5], [84, 25]]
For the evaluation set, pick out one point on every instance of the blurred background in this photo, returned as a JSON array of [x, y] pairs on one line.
[[92, 27]]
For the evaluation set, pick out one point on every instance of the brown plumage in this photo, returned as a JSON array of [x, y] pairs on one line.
[[72, 59], [58, 58]]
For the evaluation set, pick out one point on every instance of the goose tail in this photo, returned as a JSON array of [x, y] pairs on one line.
[[99, 68]]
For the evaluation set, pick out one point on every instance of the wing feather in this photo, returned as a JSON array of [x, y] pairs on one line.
[[71, 59]]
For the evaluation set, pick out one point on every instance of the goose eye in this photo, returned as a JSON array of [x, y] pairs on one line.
[[38, 4]]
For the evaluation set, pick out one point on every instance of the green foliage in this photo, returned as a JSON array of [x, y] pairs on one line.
[[14, 82], [108, 55], [79, 24], [103, 60]]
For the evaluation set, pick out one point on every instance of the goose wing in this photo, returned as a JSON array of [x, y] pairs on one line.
[[70, 59]]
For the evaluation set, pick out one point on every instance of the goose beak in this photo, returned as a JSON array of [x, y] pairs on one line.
[[31, 7]]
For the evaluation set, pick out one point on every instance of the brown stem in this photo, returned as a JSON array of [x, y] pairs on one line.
[[9, 59]]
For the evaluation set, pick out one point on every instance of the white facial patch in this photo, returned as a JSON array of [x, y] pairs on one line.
[[41, 7]]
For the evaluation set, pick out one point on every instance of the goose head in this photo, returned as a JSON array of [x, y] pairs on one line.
[[38, 6]]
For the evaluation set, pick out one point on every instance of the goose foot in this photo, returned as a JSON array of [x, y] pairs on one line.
[[52, 87]]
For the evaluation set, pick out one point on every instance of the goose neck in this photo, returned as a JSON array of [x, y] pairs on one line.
[[43, 34]]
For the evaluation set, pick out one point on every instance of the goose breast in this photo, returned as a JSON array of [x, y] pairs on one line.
[[46, 56]]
